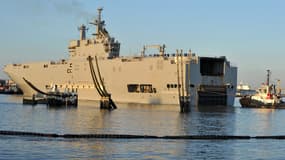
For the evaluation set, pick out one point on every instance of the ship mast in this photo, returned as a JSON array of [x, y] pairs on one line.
[[268, 77], [100, 30], [99, 23]]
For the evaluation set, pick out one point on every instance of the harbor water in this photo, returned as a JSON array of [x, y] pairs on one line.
[[135, 119]]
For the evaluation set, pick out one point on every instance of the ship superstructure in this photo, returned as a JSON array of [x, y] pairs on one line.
[[151, 79]]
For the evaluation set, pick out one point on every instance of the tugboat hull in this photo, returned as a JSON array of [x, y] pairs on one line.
[[248, 102]]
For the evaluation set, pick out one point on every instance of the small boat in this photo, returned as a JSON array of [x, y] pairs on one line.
[[53, 97], [56, 98], [267, 96], [61, 99], [244, 90]]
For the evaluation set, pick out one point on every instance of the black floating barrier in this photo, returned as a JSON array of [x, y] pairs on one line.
[[128, 136], [205, 137], [270, 137], [21, 133]]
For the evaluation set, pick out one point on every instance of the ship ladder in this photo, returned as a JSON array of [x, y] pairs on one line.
[[106, 101], [184, 100]]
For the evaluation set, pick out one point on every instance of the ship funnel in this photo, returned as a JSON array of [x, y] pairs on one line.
[[82, 30]]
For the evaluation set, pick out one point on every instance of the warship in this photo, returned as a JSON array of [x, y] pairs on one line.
[[95, 69]]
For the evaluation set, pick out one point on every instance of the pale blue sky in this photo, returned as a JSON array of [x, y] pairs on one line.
[[250, 33]]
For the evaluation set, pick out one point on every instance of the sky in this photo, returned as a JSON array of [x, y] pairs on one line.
[[250, 33]]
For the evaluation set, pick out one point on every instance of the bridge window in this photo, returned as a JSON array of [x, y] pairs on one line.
[[146, 88], [141, 88], [173, 86], [133, 88], [26, 66]]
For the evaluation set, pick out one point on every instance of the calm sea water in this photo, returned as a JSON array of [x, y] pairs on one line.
[[160, 120]]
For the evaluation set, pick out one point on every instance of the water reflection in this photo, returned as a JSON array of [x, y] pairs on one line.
[[60, 107], [214, 109], [43, 148], [159, 120], [207, 120], [260, 121]]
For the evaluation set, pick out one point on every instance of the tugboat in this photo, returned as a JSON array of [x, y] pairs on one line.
[[267, 96]]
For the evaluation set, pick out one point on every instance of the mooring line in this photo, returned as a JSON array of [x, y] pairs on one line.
[[129, 136]]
